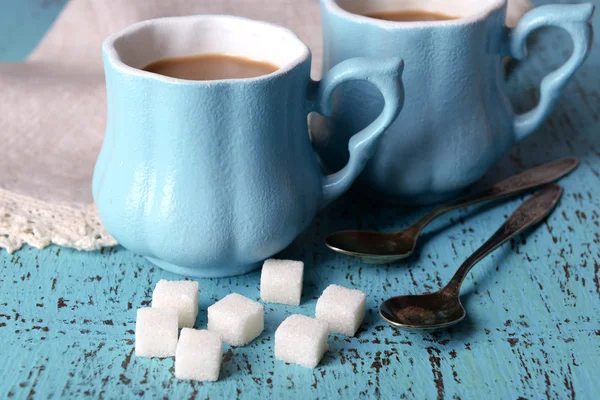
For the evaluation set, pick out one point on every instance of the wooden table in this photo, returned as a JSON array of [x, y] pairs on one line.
[[67, 319]]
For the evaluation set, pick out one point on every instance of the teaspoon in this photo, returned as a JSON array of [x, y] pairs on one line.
[[383, 248], [443, 308]]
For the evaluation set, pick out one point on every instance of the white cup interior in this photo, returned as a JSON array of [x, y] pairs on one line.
[[149, 41], [455, 8]]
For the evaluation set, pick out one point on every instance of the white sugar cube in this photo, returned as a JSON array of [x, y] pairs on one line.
[[199, 354], [155, 332], [237, 318], [179, 295], [342, 308], [281, 281], [301, 340]]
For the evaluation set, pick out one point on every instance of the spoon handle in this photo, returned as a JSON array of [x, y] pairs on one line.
[[529, 213], [526, 180]]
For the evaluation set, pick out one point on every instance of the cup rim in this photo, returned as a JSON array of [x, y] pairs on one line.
[[494, 6], [115, 60]]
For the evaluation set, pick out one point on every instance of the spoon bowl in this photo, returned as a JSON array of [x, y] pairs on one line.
[[373, 247], [423, 312]]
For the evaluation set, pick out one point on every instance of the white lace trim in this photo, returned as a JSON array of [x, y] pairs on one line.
[[24, 219]]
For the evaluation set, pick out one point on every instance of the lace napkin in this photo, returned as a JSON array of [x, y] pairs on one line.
[[52, 112]]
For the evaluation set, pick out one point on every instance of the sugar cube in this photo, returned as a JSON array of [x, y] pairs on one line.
[[179, 295], [198, 355], [342, 308], [237, 318], [155, 332], [301, 340], [281, 281]]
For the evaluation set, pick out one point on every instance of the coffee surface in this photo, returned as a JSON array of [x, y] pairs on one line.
[[411, 15], [210, 67]]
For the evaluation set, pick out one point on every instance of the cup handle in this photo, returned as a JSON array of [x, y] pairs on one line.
[[386, 75], [575, 19]]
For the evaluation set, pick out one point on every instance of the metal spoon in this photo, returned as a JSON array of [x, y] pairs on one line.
[[443, 308], [383, 248]]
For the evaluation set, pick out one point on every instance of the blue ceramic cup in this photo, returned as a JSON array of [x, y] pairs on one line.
[[457, 119], [209, 178]]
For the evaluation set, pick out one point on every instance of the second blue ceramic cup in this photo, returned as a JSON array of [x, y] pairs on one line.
[[457, 119], [209, 178]]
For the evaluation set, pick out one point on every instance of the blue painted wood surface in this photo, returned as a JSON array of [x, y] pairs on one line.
[[67, 319]]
